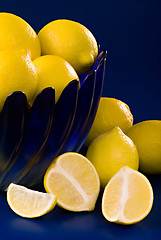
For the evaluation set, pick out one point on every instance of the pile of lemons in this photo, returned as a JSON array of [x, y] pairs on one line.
[[61, 51]]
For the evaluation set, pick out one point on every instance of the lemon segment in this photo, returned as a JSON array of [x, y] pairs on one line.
[[111, 112], [147, 137], [29, 203], [111, 151], [71, 41], [127, 198], [75, 182]]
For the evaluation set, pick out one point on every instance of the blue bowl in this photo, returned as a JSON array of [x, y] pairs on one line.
[[30, 138]]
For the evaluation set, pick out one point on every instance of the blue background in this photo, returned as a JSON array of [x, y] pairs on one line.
[[130, 30]]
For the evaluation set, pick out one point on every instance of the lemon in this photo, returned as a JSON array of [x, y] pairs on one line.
[[29, 203], [74, 180], [17, 73], [111, 112], [111, 151], [15, 34], [53, 71], [147, 137], [70, 40], [127, 198]]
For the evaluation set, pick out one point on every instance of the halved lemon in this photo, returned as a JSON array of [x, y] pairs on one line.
[[29, 203], [127, 198], [74, 180]]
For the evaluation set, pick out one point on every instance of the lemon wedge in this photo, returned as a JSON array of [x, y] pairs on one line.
[[127, 198], [74, 180], [29, 203]]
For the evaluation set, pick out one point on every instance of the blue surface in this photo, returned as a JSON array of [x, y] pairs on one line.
[[131, 32], [62, 224]]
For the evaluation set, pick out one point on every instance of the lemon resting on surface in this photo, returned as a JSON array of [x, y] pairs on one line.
[[111, 112], [74, 180], [111, 151], [147, 137], [128, 197], [53, 71], [16, 34], [70, 40], [17, 73], [29, 203]]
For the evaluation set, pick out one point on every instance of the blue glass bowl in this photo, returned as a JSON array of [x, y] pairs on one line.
[[31, 138]]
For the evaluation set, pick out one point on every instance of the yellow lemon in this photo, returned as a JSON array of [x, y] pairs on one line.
[[53, 71], [147, 137], [111, 151], [15, 34], [17, 73], [111, 112], [29, 203], [127, 198], [75, 182], [70, 40]]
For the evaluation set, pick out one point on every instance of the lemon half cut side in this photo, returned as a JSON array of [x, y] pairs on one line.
[[127, 198], [75, 182]]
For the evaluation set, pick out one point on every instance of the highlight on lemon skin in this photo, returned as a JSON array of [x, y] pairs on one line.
[[71, 41], [29, 203], [75, 182], [127, 198]]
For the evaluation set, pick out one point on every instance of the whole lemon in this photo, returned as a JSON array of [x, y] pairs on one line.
[[53, 71], [15, 34], [17, 73], [147, 137], [70, 40], [111, 151], [111, 112]]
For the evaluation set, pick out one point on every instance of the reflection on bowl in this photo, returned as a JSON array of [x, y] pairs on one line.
[[31, 138]]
